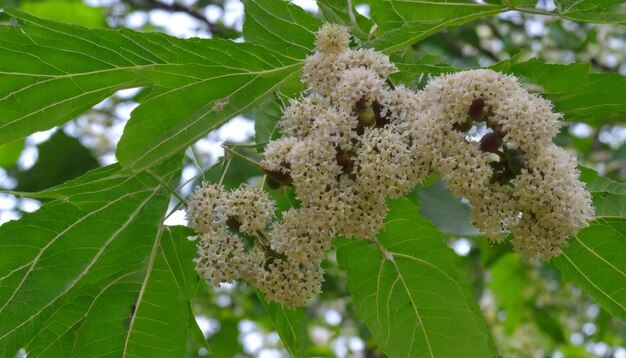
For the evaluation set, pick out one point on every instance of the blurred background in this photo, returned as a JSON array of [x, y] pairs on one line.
[[530, 309]]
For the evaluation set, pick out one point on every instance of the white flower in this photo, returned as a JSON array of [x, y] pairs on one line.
[[206, 208], [290, 283], [221, 257], [332, 38], [252, 208]]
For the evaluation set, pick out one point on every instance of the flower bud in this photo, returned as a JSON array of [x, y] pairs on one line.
[[477, 109], [490, 142], [516, 164], [367, 117]]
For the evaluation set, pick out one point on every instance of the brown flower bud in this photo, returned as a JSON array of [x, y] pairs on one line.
[[477, 109], [361, 105], [490, 142], [344, 160]]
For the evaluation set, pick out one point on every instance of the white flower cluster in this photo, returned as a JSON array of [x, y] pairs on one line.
[[234, 245], [515, 179], [346, 146], [353, 140]]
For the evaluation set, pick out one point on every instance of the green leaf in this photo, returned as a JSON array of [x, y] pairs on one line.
[[446, 211], [507, 285], [266, 118], [225, 342], [609, 197], [597, 183], [61, 158], [583, 96], [408, 292], [291, 325], [337, 12], [74, 274], [595, 261], [600, 11], [163, 314], [403, 23], [280, 24], [10, 153], [195, 333], [52, 72], [69, 11]]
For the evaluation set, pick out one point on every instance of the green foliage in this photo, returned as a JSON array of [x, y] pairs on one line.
[[10, 153], [96, 272], [593, 98], [61, 158], [291, 325], [445, 211], [69, 11], [508, 279], [408, 292], [594, 259]]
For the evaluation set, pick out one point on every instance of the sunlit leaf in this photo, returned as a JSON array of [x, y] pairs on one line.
[[280, 25], [10, 153], [403, 23], [69, 11], [337, 12], [77, 275], [52, 72], [162, 308], [407, 290]]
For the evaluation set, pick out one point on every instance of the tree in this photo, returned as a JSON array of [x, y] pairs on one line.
[[95, 271]]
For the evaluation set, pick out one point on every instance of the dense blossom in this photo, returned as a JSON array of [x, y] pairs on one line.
[[352, 141], [515, 179]]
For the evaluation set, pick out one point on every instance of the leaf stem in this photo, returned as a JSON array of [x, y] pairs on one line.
[[244, 145], [240, 156], [173, 192], [202, 172], [224, 170]]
